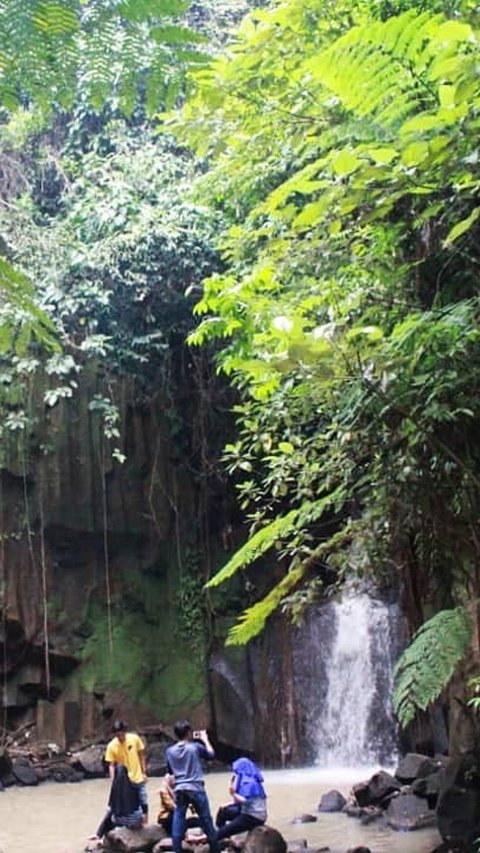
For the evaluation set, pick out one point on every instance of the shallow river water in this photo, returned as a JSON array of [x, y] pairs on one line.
[[58, 818]]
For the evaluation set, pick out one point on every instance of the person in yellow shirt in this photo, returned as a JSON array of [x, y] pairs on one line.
[[128, 749]]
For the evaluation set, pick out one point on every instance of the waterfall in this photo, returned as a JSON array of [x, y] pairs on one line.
[[356, 725], [344, 656]]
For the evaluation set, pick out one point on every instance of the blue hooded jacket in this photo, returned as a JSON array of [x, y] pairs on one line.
[[249, 779]]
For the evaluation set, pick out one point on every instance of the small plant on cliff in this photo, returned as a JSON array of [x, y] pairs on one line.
[[189, 605]]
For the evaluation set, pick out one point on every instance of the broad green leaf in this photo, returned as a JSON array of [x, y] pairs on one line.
[[373, 333], [414, 154], [312, 213], [421, 123], [383, 154], [461, 227], [345, 163]]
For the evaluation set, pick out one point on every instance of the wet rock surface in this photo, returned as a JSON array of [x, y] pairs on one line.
[[332, 801], [122, 840], [407, 812]]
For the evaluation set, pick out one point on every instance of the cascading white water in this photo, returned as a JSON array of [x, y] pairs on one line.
[[356, 726]]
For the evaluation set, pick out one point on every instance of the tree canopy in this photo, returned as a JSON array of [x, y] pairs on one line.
[[342, 141]]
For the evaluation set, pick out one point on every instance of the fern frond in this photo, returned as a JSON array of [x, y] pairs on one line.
[[252, 621], [258, 544], [279, 528], [50, 49], [55, 20], [145, 10], [368, 63], [428, 663]]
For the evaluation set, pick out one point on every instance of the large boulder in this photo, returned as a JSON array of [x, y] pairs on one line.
[[379, 787], [407, 812], [458, 806], [265, 839]]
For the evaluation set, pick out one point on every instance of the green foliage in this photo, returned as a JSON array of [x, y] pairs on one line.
[[428, 663], [21, 320], [342, 142], [189, 606], [49, 50], [114, 266], [258, 544], [54, 54], [253, 619], [148, 658]]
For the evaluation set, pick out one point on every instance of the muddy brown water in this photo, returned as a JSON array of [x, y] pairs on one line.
[[58, 818]]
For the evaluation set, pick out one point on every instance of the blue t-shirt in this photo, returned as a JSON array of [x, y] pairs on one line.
[[184, 761]]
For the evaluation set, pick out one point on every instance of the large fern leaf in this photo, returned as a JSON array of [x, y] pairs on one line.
[[402, 55], [280, 527], [252, 621], [428, 663]]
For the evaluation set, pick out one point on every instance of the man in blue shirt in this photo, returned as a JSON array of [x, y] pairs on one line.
[[184, 763]]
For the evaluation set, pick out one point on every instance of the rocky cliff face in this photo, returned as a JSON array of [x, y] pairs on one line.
[[102, 568], [78, 528]]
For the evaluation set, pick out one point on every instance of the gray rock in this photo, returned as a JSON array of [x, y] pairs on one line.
[[90, 761], [332, 801], [407, 812], [265, 839], [161, 846], [380, 786], [352, 810], [458, 806], [156, 765], [123, 840], [235, 842], [428, 787], [298, 846], [413, 766], [359, 850], [24, 772], [370, 814]]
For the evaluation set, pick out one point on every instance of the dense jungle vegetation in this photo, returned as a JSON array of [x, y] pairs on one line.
[[308, 189]]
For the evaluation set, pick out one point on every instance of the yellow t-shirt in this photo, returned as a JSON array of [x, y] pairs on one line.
[[126, 753]]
